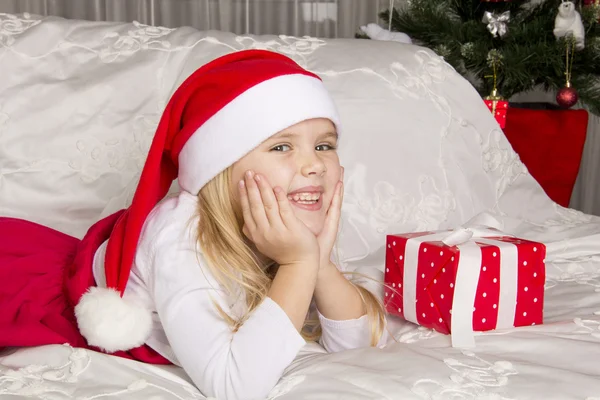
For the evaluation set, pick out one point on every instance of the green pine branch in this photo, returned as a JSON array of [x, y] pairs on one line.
[[530, 54]]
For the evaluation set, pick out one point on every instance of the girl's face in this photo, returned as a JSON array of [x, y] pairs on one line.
[[303, 161]]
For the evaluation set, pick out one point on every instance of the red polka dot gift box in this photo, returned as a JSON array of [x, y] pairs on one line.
[[499, 109], [465, 280]]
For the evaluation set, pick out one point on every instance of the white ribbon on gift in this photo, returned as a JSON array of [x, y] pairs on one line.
[[467, 276]]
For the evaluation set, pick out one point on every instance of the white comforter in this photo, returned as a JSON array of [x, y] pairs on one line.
[[557, 360], [79, 103]]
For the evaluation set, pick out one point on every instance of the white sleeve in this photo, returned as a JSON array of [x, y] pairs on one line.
[[347, 334], [354, 333], [242, 365]]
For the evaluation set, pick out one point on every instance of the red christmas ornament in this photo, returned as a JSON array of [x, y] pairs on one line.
[[567, 97]]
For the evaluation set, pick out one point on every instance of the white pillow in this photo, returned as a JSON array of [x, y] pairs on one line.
[[82, 100]]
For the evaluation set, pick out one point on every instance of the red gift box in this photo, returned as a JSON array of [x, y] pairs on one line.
[[487, 282], [499, 108]]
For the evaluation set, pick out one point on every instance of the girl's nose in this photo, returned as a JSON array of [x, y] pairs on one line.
[[313, 165]]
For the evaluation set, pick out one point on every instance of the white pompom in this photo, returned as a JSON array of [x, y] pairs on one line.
[[110, 322]]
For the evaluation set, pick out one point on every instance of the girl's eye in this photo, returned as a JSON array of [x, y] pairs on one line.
[[325, 147], [281, 147]]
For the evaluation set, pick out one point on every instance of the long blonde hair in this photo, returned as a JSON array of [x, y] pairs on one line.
[[233, 260]]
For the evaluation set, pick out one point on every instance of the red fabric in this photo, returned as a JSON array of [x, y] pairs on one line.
[[437, 267], [203, 94], [43, 273], [550, 144]]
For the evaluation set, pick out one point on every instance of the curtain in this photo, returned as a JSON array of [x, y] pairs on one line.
[[586, 193], [320, 18]]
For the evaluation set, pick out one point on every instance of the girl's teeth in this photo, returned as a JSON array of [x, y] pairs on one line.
[[305, 198]]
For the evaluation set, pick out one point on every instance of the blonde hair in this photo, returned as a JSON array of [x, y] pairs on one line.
[[233, 260]]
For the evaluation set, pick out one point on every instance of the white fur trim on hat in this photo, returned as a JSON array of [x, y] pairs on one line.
[[248, 120], [111, 323]]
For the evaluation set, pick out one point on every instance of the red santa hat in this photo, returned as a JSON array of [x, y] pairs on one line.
[[221, 112]]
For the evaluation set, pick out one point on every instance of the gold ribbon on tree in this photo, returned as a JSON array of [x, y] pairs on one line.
[[495, 102]]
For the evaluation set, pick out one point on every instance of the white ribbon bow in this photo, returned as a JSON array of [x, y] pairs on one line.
[[469, 268], [497, 25]]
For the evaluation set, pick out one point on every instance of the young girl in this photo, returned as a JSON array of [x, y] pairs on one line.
[[218, 279]]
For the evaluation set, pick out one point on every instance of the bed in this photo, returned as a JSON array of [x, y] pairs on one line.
[[79, 102]]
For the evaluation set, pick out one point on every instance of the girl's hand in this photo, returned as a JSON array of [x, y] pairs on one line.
[[270, 223], [328, 235]]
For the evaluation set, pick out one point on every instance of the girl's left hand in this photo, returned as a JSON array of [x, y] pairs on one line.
[[328, 235]]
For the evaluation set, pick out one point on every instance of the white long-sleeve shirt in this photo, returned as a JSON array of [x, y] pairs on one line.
[[169, 278]]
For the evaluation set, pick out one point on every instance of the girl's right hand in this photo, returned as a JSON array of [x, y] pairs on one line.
[[270, 223]]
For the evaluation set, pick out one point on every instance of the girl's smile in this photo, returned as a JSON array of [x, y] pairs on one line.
[[307, 198]]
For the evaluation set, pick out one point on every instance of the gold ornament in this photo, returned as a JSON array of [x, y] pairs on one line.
[[495, 102], [494, 95]]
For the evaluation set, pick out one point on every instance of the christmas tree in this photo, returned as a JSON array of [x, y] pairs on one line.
[[515, 37]]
